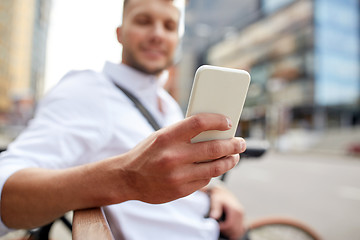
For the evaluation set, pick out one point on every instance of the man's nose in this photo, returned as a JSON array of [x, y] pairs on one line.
[[158, 31]]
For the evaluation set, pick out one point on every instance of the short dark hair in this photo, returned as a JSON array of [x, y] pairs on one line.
[[126, 1]]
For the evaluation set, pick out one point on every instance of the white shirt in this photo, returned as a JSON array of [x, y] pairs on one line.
[[85, 118]]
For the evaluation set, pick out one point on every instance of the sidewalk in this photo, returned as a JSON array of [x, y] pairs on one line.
[[338, 141], [331, 141], [321, 190]]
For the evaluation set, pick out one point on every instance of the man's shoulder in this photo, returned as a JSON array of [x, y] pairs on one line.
[[84, 78], [81, 82], [85, 87]]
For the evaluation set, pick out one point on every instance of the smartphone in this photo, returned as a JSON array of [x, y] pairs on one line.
[[218, 90]]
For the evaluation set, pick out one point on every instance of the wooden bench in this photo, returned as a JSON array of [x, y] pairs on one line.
[[90, 224]]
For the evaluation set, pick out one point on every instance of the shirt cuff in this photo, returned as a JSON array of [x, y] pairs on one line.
[[4, 230]]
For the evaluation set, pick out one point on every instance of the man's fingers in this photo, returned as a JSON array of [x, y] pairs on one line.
[[207, 170], [192, 126], [221, 166], [216, 209], [233, 228], [216, 149], [207, 151]]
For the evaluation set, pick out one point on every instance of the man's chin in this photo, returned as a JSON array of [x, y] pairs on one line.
[[152, 70]]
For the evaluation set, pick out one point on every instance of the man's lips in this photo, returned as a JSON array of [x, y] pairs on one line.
[[153, 53]]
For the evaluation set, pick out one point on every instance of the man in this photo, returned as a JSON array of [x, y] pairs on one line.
[[56, 165]]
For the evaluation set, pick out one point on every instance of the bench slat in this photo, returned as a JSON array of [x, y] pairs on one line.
[[90, 224]]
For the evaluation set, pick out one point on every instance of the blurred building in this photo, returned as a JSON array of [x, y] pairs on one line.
[[206, 23], [304, 59], [23, 34]]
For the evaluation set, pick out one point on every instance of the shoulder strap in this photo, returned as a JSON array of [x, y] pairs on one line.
[[141, 108]]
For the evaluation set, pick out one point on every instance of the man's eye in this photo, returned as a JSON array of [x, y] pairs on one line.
[[171, 26], [142, 20]]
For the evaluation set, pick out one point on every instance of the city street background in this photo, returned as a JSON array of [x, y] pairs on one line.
[[304, 97], [321, 190]]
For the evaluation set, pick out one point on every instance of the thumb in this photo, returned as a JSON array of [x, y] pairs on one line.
[[196, 124]]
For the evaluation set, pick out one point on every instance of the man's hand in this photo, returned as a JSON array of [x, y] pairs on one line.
[[167, 166], [163, 167], [224, 204]]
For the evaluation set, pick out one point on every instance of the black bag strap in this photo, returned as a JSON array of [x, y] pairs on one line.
[[141, 108]]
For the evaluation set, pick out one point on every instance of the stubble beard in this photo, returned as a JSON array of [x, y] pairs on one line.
[[136, 64]]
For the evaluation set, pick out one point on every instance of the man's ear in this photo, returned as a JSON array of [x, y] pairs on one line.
[[119, 34]]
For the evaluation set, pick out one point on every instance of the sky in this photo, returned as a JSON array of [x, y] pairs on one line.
[[82, 35]]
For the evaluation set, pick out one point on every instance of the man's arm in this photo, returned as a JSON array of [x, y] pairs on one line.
[[162, 168]]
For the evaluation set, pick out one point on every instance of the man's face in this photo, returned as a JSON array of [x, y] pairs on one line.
[[149, 34]]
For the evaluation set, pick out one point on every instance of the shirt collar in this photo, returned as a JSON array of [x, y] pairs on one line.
[[132, 79]]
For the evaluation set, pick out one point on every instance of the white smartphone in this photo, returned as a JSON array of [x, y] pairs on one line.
[[218, 90]]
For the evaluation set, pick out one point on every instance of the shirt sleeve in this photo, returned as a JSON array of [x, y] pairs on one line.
[[71, 123]]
